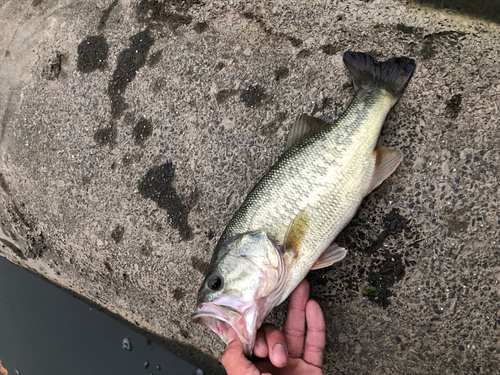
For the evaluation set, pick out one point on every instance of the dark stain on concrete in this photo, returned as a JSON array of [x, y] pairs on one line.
[[157, 185], [86, 180], [253, 96], [325, 103], [178, 294], [453, 106], [36, 243], [200, 27], [146, 249], [105, 136], [52, 70], [409, 30], [199, 265], [254, 17], [331, 49], [272, 127], [18, 216], [394, 223], [386, 267], [223, 95], [155, 58], [92, 54], [129, 62], [295, 42], [458, 226], [170, 13], [108, 266], [36, 3], [117, 234], [443, 39], [105, 15], [7, 53], [130, 159], [159, 84], [268, 30], [3, 184], [142, 131], [219, 66], [304, 53], [383, 274], [210, 234], [281, 73], [249, 16]]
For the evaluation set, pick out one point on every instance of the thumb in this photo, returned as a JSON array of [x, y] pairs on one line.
[[234, 361]]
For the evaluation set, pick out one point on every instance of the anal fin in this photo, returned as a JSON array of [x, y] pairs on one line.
[[387, 160], [333, 253]]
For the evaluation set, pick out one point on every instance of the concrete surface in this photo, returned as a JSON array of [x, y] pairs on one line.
[[131, 132]]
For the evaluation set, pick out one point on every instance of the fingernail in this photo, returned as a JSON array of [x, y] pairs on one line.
[[260, 345], [279, 353]]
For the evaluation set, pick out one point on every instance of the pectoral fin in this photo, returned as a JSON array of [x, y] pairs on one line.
[[387, 160], [334, 253], [304, 126], [296, 233]]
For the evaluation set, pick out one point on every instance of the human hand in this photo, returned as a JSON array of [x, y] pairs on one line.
[[278, 352]]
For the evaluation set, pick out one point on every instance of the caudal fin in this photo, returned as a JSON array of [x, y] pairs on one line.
[[392, 75]]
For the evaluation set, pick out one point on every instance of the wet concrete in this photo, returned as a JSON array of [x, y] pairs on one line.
[[122, 163]]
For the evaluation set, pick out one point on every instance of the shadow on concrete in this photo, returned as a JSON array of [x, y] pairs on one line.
[[488, 10]]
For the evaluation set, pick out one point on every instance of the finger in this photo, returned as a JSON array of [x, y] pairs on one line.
[[234, 361], [316, 337], [294, 328], [260, 349], [266, 367], [276, 343]]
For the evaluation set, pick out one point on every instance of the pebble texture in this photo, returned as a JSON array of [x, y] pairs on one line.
[[132, 130]]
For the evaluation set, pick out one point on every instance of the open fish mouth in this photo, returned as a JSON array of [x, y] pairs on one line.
[[221, 318]]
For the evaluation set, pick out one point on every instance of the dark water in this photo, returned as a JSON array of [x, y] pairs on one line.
[[46, 331]]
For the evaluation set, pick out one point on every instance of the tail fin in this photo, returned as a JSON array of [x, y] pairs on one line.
[[392, 75]]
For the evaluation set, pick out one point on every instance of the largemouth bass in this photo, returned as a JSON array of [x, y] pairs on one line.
[[287, 223]]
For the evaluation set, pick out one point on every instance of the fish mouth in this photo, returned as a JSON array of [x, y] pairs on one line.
[[221, 318]]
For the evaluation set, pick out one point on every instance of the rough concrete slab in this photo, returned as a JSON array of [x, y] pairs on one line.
[[131, 131]]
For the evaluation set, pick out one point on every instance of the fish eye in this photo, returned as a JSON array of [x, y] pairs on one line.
[[215, 283]]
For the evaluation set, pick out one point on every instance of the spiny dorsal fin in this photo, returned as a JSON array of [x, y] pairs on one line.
[[296, 233], [304, 126], [333, 253], [387, 160]]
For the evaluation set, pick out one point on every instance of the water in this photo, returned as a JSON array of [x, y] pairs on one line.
[[46, 331]]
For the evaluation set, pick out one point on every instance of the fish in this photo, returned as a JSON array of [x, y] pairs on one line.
[[287, 223]]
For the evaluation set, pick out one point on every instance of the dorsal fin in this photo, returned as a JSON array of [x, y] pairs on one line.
[[304, 126]]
